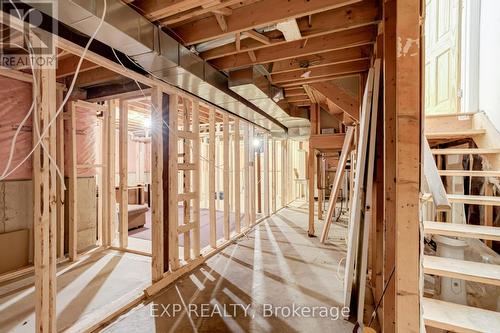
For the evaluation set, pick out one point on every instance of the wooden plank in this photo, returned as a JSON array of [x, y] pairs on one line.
[[111, 192], [454, 134], [156, 9], [225, 181], [408, 135], [366, 222], [488, 210], [213, 7], [237, 176], [246, 172], [44, 221], [60, 165], [474, 199], [462, 230], [465, 151], [254, 15], [469, 173], [173, 202], [346, 17], [196, 179], [186, 187], [72, 181], [359, 189], [390, 167], [434, 180], [346, 149], [327, 141], [273, 175], [157, 214], [338, 96], [261, 38], [211, 179], [266, 175], [311, 158], [123, 167], [463, 270], [458, 318], [330, 42]]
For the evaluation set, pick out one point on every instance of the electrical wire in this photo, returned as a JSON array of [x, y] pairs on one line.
[[68, 94]]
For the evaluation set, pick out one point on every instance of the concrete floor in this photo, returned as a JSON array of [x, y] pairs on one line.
[[276, 265], [85, 288]]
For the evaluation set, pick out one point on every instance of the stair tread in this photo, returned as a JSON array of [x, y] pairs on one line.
[[450, 134], [461, 269], [454, 114], [470, 173], [462, 230], [459, 318], [464, 151], [474, 199]]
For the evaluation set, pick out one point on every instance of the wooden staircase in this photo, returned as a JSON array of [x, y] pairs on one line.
[[461, 128]]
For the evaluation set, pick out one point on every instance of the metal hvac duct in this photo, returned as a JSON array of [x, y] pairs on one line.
[[129, 32]]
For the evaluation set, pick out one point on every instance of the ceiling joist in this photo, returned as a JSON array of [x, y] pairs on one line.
[[338, 96], [347, 17], [325, 43], [257, 14]]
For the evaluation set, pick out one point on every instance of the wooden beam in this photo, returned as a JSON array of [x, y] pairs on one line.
[[123, 167], [213, 6], [325, 43], [327, 141], [44, 221], [266, 175], [67, 66], [257, 36], [222, 11], [237, 41], [257, 14], [96, 76], [407, 141], [339, 97], [157, 9], [343, 18], [195, 174], [356, 66], [157, 246], [252, 56], [322, 59], [246, 172], [302, 82], [60, 186], [221, 21], [111, 162]]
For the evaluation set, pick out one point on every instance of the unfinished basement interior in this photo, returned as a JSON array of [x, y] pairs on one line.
[[249, 166]]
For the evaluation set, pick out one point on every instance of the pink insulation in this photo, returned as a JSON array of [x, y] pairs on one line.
[[15, 102], [86, 141]]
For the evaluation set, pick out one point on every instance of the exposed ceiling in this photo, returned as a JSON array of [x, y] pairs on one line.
[[299, 43]]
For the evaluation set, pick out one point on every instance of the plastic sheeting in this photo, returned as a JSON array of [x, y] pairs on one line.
[[15, 102]]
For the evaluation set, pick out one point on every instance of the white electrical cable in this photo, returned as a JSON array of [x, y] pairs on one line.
[[68, 94]]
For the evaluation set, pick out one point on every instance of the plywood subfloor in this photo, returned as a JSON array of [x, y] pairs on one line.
[[83, 288], [277, 264]]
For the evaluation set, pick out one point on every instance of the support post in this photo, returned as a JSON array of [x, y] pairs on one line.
[[237, 186], [246, 171], [211, 178], [273, 176], [266, 175], [72, 181], [196, 179], [111, 193], [173, 202], [157, 263], [44, 203], [225, 181], [60, 165], [123, 146]]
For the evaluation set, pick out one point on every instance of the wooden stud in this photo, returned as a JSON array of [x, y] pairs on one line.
[[225, 134], [44, 209], [246, 171], [105, 183], [196, 179], [186, 176], [311, 169], [211, 179], [266, 175], [237, 171], [157, 245], [60, 165], [273, 176], [123, 162], [111, 192], [72, 183], [173, 202]]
